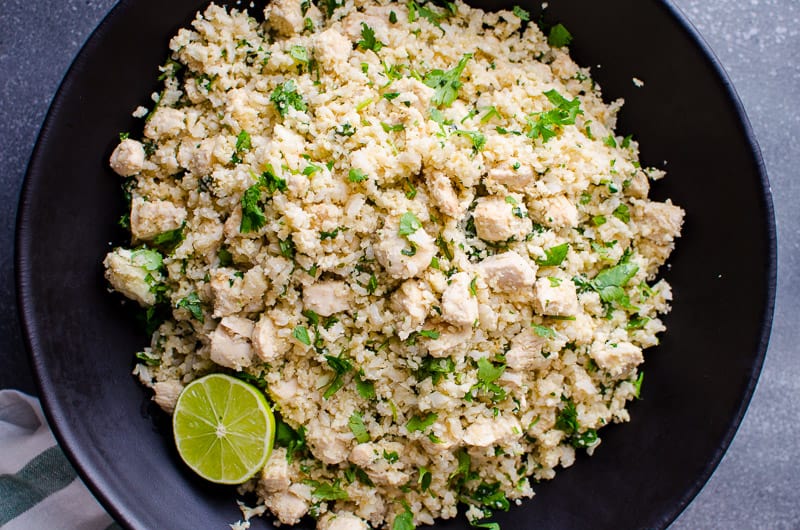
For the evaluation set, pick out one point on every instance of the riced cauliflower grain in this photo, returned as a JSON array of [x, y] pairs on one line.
[[408, 224]]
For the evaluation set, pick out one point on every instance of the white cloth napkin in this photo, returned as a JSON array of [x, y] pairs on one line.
[[39, 488]]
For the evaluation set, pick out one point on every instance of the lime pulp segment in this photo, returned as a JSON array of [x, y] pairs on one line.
[[223, 428]]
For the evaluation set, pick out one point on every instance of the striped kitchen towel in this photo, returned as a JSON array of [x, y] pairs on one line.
[[39, 489]]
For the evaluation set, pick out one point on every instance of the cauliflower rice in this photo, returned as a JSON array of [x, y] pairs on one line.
[[416, 229]]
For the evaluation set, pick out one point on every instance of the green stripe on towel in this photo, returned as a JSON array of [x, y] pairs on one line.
[[44, 475]]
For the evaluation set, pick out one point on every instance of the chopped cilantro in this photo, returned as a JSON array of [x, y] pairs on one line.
[[285, 96], [446, 83], [424, 480], [599, 220], [554, 256], [544, 331], [340, 366], [420, 423], [392, 128], [522, 14], [372, 284], [392, 17], [356, 175], [299, 54], [365, 388], [368, 40], [389, 96], [478, 139], [168, 241], [357, 427], [301, 333], [622, 213], [147, 359], [409, 224], [243, 141], [327, 491], [252, 215], [637, 385], [610, 141], [545, 124], [404, 521], [192, 304], [559, 36], [429, 333]]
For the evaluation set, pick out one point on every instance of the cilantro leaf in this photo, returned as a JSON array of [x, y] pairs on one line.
[[622, 212], [285, 96], [368, 40], [341, 367], [478, 139], [301, 333], [357, 427], [420, 423], [637, 385], [356, 175], [252, 215], [327, 491], [559, 36], [545, 124], [554, 256], [446, 83], [409, 224], [192, 304], [522, 14], [544, 331], [168, 241], [404, 521]]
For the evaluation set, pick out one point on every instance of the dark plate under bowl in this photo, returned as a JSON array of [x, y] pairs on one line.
[[698, 381]]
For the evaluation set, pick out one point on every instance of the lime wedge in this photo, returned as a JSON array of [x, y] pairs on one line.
[[224, 428]]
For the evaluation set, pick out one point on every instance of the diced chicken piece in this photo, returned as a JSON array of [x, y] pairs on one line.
[[363, 454], [128, 158], [230, 343], [616, 358], [414, 301], [165, 121], [558, 212], [342, 521], [234, 292], [196, 156], [658, 221], [513, 179], [265, 339], [151, 218], [332, 48], [369, 456], [285, 16], [275, 475], [326, 298], [287, 507], [555, 300], [233, 224], [441, 189], [508, 272], [459, 305], [127, 272], [166, 394], [448, 339], [327, 445], [495, 220], [485, 432], [525, 351], [391, 246], [254, 285]]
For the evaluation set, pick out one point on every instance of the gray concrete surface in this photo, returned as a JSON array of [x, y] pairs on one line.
[[757, 485]]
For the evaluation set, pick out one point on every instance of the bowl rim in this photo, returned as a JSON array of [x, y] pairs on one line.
[[83, 464]]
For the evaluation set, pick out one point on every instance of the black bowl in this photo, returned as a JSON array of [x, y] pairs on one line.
[[698, 381]]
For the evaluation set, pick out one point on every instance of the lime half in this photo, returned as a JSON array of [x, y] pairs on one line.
[[224, 428]]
